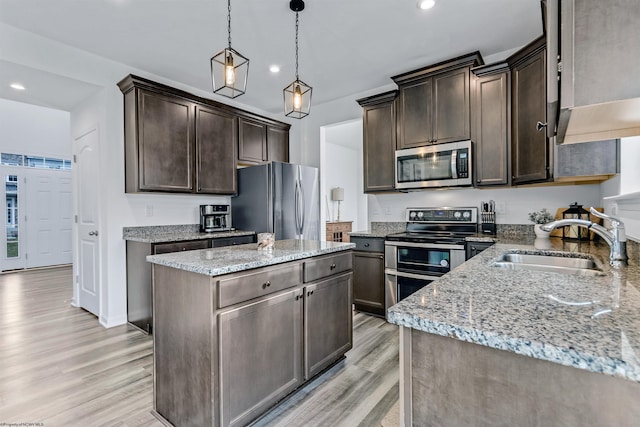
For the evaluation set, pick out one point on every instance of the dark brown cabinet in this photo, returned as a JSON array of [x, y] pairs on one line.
[[379, 141], [158, 142], [368, 275], [531, 150], [260, 354], [328, 322], [216, 140], [259, 142], [434, 103], [490, 130], [178, 142]]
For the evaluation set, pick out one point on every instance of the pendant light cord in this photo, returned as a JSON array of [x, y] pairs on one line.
[[229, 21], [297, 24]]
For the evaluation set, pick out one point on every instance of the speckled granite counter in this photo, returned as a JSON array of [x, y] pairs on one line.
[[218, 261], [554, 317], [175, 233]]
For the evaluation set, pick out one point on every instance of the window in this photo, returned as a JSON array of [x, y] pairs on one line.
[[11, 227], [35, 161]]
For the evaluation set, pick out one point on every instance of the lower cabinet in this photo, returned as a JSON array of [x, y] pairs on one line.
[[328, 322], [260, 356], [368, 275], [474, 248]]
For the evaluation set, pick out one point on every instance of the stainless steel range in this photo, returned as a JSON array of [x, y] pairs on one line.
[[432, 245]]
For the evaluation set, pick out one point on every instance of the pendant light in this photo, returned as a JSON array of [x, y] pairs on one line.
[[229, 69], [297, 96]]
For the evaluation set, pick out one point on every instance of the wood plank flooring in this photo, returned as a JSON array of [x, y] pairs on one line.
[[60, 367]]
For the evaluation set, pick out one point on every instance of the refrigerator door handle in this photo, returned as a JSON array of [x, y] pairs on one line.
[[297, 208], [302, 206]]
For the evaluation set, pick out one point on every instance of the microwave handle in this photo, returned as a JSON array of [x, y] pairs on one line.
[[454, 164]]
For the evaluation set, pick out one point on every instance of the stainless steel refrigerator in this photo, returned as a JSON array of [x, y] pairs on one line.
[[280, 198]]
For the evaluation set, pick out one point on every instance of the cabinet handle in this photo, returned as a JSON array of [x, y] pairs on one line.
[[478, 181], [366, 245], [309, 293], [266, 284], [298, 297], [333, 266], [184, 249], [540, 126]]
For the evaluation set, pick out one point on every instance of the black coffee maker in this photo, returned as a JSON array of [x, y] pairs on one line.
[[214, 218]]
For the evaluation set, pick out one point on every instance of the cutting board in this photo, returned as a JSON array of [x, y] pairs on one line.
[[558, 231]]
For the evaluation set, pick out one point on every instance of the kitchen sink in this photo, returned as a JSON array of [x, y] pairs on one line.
[[549, 263]]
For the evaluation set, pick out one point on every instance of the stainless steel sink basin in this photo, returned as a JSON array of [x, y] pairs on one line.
[[549, 263]]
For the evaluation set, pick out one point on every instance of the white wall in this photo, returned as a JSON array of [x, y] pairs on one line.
[[513, 204], [34, 130], [341, 166], [630, 165]]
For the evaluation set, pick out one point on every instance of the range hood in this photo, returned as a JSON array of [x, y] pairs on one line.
[[610, 120], [593, 86]]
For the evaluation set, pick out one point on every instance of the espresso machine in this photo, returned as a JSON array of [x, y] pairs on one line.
[[215, 218]]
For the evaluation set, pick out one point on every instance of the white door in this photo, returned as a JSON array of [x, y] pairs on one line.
[[85, 150], [48, 217], [13, 239]]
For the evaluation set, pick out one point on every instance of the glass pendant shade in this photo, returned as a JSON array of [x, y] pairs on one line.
[[229, 72], [297, 99]]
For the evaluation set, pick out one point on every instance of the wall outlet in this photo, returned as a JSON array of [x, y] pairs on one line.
[[149, 210], [501, 207]]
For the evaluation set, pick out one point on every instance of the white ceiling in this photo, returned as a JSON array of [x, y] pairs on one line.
[[346, 46]]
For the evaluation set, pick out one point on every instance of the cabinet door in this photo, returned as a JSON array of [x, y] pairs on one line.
[[491, 129], [216, 142], [277, 144], [328, 322], [165, 143], [415, 114], [187, 245], [529, 145], [379, 145], [451, 106], [252, 141], [368, 282], [260, 356]]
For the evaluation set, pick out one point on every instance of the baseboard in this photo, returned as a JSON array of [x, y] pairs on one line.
[[113, 321]]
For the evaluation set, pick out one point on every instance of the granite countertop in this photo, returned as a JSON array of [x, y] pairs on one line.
[[175, 233], [591, 323], [231, 259], [369, 233]]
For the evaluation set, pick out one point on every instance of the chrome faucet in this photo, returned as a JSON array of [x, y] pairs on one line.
[[615, 236]]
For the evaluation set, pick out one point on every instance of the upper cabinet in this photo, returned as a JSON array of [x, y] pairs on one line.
[[216, 139], [434, 103], [379, 141], [490, 125], [599, 62], [531, 149], [178, 142], [259, 142]]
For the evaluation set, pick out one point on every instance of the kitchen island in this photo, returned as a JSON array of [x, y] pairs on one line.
[[491, 346], [237, 329]]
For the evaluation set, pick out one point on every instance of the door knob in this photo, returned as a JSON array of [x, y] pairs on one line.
[[93, 233], [540, 126]]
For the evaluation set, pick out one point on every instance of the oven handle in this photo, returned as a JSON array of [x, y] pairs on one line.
[[397, 273], [454, 164], [424, 245]]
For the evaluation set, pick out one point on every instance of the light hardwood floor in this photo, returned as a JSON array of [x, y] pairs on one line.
[[59, 367]]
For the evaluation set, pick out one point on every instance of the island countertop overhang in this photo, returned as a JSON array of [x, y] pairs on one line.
[[232, 259]]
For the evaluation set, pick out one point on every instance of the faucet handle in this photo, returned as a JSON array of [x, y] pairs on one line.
[[615, 222]]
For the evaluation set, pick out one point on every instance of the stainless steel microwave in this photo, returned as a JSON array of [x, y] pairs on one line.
[[441, 165]]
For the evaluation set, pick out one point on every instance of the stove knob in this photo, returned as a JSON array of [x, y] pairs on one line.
[[466, 214], [444, 263], [420, 214], [412, 214], [457, 214]]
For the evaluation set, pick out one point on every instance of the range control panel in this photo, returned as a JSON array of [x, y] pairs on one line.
[[440, 215]]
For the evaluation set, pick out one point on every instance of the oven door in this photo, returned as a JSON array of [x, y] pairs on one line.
[[399, 285]]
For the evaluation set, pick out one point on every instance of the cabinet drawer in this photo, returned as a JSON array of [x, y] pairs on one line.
[[163, 248], [264, 281], [329, 265], [368, 244], [232, 241]]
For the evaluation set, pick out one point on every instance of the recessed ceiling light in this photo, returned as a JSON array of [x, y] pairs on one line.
[[17, 86], [274, 69], [426, 4]]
